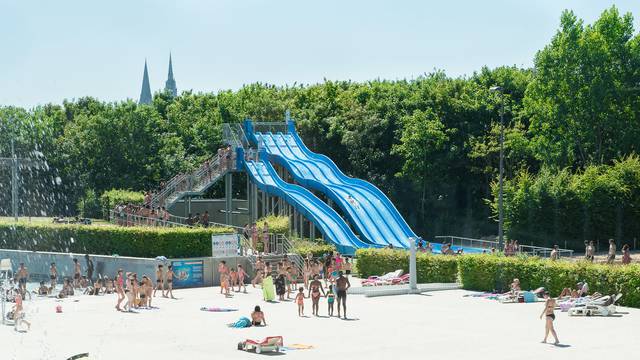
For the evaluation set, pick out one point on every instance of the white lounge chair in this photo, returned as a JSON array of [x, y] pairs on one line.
[[604, 306]]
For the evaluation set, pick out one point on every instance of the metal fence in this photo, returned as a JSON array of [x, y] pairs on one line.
[[491, 244]]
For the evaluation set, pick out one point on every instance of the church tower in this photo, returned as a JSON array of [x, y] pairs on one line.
[[145, 93], [170, 85]]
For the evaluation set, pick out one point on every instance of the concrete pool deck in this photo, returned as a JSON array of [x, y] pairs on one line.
[[437, 325]]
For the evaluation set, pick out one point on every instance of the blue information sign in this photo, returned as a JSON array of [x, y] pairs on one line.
[[188, 273]]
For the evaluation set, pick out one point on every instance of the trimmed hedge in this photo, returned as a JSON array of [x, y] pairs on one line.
[[109, 239], [277, 224], [317, 249], [431, 268], [486, 273], [489, 272], [109, 199]]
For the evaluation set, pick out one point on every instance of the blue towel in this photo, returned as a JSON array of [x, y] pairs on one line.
[[242, 323], [529, 297]]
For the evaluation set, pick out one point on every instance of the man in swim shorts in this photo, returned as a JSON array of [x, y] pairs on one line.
[[22, 276], [76, 273], [342, 284]]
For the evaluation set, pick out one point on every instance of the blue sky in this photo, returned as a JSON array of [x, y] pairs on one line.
[[55, 50]]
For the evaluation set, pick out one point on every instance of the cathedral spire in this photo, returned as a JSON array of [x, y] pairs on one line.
[[170, 84], [145, 93]]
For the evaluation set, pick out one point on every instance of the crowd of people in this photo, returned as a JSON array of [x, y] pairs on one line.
[[285, 279], [132, 292], [137, 293], [590, 251], [152, 212], [136, 215]]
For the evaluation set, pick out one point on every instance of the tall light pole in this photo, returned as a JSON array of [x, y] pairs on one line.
[[500, 90]]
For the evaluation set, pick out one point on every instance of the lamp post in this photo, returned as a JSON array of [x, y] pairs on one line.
[[500, 90]]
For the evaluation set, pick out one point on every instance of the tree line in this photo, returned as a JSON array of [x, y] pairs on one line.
[[430, 143]]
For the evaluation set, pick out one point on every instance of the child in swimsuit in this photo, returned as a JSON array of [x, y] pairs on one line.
[[241, 275], [300, 301], [234, 277], [331, 297]]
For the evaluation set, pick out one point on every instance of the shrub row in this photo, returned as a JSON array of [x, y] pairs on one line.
[[430, 268], [109, 239], [495, 273], [317, 249], [277, 224]]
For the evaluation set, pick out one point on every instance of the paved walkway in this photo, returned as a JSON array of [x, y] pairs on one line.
[[438, 325]]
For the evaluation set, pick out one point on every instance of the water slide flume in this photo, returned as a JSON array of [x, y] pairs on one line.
[[327, 220]]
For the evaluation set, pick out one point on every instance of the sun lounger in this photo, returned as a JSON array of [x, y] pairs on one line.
[[381, 280], [271, 343], [404, 279], [604, 306]]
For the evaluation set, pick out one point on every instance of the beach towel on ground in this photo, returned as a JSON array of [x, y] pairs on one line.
[[217, 309], [298, 347], [243, 322]]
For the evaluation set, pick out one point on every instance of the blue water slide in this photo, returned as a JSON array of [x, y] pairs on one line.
[[369, 211], [327, 220]]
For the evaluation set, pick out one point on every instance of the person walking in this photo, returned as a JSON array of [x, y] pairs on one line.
[[89, 268], [626, 254], [549, 317], [342, 285], [611, 256], [589, 251]]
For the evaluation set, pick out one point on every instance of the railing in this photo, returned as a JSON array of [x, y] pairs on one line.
[[542, 251], [235, 136], [129, 219], [467, 242], [210, 171], [272, 127], [489, 244]]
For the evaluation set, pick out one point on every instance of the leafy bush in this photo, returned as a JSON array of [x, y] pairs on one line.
[[89, 205], [109, 199], [277, 224], [108, 239], [487, 273], [430, 268], [317, 249]]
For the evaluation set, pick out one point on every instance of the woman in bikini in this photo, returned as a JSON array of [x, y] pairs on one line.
[[315, 287], [170, 281], [120, 289], [549, 316]]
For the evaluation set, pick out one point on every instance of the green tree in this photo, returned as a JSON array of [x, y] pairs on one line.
[[582, 106]]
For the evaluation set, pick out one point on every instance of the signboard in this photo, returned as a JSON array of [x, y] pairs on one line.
[[225, 245], [188, 273]]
